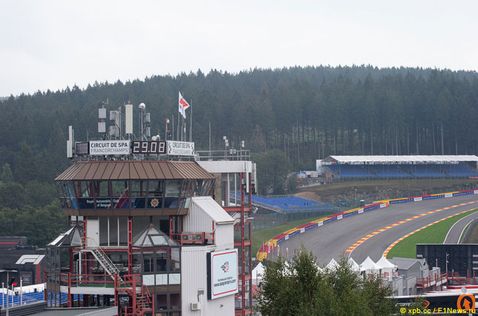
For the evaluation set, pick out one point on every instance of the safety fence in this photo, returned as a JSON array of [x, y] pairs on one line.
[[270, 245]]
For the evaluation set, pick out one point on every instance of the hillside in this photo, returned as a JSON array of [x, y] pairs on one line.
[[303, 112], [288, 118]]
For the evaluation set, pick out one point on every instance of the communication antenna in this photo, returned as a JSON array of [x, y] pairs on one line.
[[102, 120], [147, 125], [128, 111], [115, 123], [70, 151]]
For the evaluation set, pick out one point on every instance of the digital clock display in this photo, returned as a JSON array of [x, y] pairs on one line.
[[148, 147]]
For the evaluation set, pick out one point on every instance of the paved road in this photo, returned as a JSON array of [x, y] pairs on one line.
[[331, 240], [455, 232]]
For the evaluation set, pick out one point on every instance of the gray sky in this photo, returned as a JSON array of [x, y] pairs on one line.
[[54, 44]]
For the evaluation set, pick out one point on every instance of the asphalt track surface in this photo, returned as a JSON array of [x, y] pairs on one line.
[[333, 239], [455, 233]]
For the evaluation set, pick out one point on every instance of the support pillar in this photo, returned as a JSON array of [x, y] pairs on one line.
[[69, 290], [130, 245], [115, 281], [243, 249]]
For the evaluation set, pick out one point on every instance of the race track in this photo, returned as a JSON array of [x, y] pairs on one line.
[[369, 234], [457, 230]]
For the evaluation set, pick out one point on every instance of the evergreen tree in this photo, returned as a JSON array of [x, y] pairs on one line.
[[301, 289], [6, 174]]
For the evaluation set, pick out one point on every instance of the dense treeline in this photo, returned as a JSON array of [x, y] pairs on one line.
[[29, 209], [304, 113]]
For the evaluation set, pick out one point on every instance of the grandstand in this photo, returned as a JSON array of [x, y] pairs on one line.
[[398, 167], [290, 204]]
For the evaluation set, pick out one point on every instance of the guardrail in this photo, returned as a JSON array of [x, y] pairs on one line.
[[435, 280], [97, 280], [272, 244]]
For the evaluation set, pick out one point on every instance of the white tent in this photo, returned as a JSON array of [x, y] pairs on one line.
[[258, 273], [387, 267], [369, 266], [332, 265], [385, 264], [353, 265]]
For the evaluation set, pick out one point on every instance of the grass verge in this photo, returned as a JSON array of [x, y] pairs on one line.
[[433, 234], [264, 234]]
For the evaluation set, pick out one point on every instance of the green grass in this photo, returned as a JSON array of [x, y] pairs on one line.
[[471, 236], [433, 234], [262, 235]]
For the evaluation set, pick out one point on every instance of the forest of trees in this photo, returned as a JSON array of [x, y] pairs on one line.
[[289, 117]]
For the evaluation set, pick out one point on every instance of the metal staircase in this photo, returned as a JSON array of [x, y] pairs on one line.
[[141, 301], [105, 262], [102, 258]]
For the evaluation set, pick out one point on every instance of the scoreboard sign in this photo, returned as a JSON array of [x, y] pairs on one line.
[[135, 147], [148, 147], [109, 147]]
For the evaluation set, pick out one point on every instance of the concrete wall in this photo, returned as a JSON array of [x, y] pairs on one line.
[[194, 279], [224, 236]]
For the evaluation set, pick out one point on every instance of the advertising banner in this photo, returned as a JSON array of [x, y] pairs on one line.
[[109, 147], [222, 273], [176, 148]]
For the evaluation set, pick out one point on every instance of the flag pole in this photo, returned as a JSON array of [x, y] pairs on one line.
[[172, 126], [191, 123], [209, 138], [178, 127], [184, 128]]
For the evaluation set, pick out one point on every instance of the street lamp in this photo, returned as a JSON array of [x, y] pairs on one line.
[[166, 129]]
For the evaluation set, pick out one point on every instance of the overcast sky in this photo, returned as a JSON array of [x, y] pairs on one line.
[[54, 44]]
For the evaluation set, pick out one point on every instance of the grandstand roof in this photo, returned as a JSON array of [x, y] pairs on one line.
[[409, 159]]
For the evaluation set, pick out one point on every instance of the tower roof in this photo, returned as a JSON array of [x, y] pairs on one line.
[[134, 170]]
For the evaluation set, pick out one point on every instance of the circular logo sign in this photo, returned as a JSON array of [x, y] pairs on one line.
[[154, 202], [466, 301]]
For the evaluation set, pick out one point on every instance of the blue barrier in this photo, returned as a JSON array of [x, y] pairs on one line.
[[433, 197], [401, 201], [463, 193]]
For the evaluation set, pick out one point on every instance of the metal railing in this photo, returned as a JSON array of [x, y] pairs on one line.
[[93, 280], [202, 238], [226, 154], [436, 279]]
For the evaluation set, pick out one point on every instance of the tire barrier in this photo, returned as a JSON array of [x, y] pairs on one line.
[[270, 245]]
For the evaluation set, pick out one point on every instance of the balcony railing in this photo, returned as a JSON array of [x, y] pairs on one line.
[[227, 154], [435, 280], [93, 280], [202, 238]]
